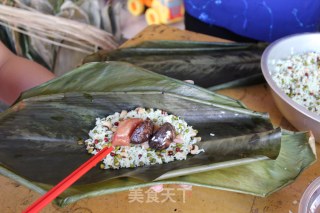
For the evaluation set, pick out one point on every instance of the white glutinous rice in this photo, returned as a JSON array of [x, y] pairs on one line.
[[299, 77], [141, 154]]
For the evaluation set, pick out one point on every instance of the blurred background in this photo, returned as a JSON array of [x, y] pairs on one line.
[[133, 24], [58, 34], [34, 28]]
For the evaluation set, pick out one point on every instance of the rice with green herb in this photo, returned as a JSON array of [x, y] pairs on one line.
[[299, 77], [101, 136]]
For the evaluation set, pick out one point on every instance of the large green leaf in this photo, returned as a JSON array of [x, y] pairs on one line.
[[53, 134], [42, 148], [209, 64], [259, 178], [120, 76]]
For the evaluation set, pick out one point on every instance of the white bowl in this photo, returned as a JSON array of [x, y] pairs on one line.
[[310, 201], [297, 115]]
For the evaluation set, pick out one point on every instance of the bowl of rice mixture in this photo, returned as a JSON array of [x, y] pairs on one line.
[[291, 67]]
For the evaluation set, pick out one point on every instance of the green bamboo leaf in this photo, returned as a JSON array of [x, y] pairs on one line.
[[47, 144], [120, 76], [259, 178], [214, 65], [163, 47], [42, 143], [175, 45], [66, 117]]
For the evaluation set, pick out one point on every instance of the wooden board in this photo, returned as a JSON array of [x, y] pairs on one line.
[[15, 198]]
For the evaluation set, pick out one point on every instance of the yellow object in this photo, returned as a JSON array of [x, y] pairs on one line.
[[152, 16], [135, 7], [159, 11]]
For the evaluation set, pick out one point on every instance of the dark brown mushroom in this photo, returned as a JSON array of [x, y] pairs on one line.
[[163, 137], [143, 132]]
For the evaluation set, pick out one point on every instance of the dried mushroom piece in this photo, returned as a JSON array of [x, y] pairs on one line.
[[143, 132], [163, 137]]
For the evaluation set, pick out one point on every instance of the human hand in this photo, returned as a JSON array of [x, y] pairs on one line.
[[19, 74]]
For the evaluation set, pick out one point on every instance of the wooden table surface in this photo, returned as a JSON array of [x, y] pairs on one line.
[[15, 197]]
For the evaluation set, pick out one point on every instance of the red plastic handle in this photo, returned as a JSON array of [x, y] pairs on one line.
[[68, 181]]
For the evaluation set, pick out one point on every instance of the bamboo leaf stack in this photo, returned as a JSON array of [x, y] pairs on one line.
[[246, 154]]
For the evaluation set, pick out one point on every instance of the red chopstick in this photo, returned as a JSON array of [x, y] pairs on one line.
[[68, 181]]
